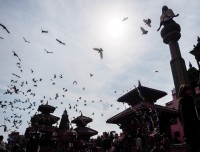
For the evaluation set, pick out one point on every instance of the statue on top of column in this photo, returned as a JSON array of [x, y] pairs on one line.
[[166, 17]]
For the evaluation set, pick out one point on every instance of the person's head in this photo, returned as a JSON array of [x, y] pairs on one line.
[[1, 138], [164, 9], [185, 90]]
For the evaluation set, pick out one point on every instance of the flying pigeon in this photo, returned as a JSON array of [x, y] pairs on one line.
[[43, 31], [143, 30], [125, 18], [147, 22], [26, 40], [48, 51], [15, 54], [100, 50], [4, 28], [60, 42], [75, 82]]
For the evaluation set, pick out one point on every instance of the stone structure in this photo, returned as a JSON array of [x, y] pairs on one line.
[[171, 34]]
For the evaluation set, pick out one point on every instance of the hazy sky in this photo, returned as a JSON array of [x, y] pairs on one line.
[[129, 56]]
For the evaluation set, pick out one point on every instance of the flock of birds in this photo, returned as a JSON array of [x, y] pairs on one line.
[[19, 86]]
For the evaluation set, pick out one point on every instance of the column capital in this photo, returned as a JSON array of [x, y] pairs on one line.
[[171, 32]]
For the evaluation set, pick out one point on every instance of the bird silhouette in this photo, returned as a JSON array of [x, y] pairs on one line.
[[1, 38], [156, 71], [143, 30], [60, 42], [91, 75], [48, 51], [61, 76], [100, 51], [147, 22], [16, 75], [4, 28], [43, 31], [15, 54], [125, 18], [26, 40], [75, 82]]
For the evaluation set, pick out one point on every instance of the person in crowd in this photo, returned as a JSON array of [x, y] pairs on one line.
[[15, 148], [2, 145], [32, 145], [140, 140], [189, 117], [106, 143], [126, 140], [116, 143]]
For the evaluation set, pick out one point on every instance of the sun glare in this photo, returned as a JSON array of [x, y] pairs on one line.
[[114, 28]]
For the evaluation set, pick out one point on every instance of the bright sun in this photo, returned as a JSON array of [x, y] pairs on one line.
[[114, 28]]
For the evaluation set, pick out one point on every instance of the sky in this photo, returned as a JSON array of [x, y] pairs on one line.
[[128, 56]]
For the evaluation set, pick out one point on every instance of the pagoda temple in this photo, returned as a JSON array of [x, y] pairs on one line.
[[83, 132], [143, 109], [42, 123]]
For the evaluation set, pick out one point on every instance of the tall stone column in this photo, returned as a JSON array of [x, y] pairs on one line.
[[171, 34]]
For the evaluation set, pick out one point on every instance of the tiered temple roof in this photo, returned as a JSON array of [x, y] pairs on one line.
[[43, 121], [150, 95], [83, 131], [143, 98]]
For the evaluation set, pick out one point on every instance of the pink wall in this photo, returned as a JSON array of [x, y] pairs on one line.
[[176, 127]]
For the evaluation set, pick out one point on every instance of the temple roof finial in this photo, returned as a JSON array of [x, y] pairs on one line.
[[65, 111], [139, 83]]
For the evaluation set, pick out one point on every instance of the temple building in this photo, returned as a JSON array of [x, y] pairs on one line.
[[43, 121], [176, 127], [144, 112], [42, 129], [83, 132]]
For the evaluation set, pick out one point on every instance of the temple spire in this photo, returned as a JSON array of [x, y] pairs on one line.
[[139, 83], [64, 122]]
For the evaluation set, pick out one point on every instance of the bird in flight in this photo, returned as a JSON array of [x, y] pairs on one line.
[[143, 30], [125, 18], [43, 31], [91, 75], [15, 54], [100, 51], [16, 75], [75, 82], [26, 40], [147, 22], [60, 42], [156, 71], [4, 28], [1, 38], [48, 51]]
